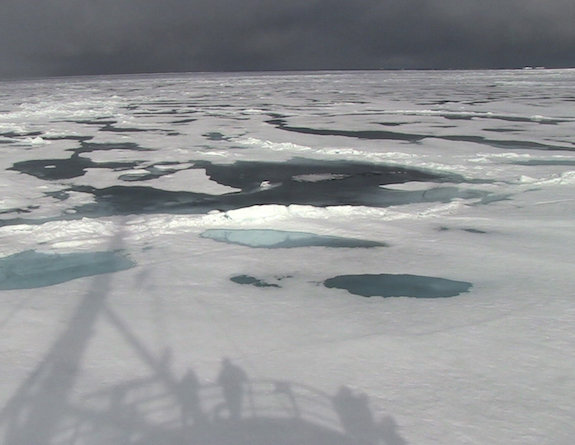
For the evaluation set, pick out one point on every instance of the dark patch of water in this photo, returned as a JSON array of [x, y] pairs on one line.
[[73, 167], [458, 117], [388, 135], [135, 200], [392, 124], [88, 147], [172, 112], [470, 230], [122, 129], [184, 121], [474, 231], [539, 162], [76, 165], [68, 138], [505, 143], [503, 130], [439, 102], [215, 136], [28, 209], [299, 181], [505, 119], [386, 285], [14, 135], [98, 121], [310, 174], [359, 134], [246, 279]]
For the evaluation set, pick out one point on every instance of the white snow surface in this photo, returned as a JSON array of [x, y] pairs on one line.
[[99, 359]]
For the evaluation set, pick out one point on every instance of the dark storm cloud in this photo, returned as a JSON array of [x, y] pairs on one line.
[[59, 37]]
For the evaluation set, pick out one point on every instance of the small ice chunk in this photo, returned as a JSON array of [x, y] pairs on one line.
[[35, 141]]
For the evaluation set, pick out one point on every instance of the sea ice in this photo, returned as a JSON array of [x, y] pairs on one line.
[[103, 360]]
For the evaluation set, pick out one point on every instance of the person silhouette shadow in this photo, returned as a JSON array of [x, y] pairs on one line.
[[356, 416], [190, 399], [388, 428], [232, 379]]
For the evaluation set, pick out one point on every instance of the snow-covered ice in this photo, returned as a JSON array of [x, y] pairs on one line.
[[185, 259]]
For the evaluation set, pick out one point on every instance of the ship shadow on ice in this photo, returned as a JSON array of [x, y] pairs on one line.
[[163, 407], [235, 410]]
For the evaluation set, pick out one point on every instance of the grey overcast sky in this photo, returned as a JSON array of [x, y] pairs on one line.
[[76, 37]]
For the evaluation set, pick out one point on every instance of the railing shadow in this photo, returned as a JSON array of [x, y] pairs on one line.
[[147, 412], [163, 408], [42, 401]]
